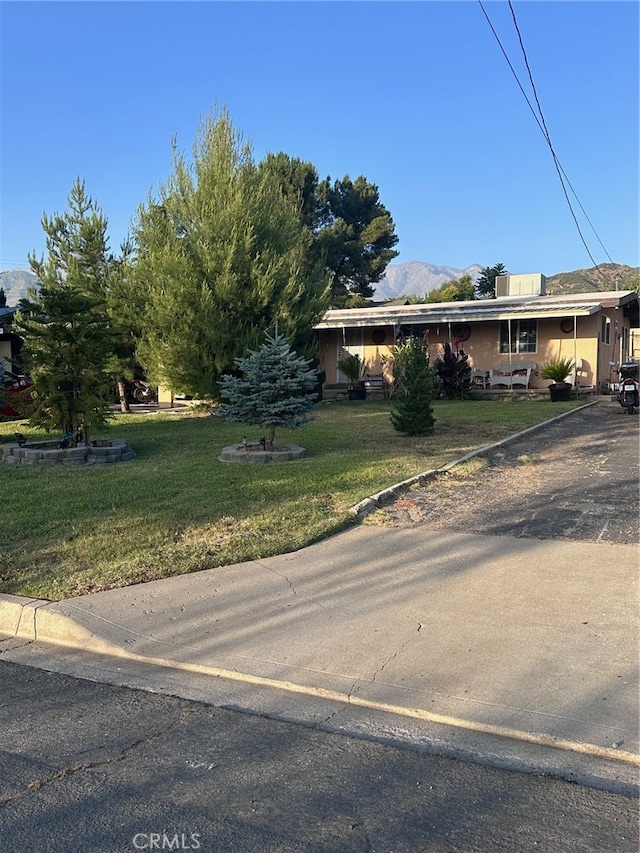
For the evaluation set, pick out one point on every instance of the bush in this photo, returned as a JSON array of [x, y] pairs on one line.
[[557, 369], [413, 412], [454, 374]]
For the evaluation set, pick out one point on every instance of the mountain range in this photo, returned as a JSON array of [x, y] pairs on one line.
[[15, 284], [417, 278]]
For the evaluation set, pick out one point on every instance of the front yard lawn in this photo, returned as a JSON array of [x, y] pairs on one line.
[[65, 531]]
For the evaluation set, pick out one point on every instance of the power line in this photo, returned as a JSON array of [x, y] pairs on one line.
[[559, 168], [13, 262], [545, 132]]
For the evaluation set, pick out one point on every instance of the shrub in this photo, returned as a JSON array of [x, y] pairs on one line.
[[557, 369], [413, 412]]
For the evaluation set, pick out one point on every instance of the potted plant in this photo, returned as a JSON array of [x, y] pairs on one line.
[[354, 369], [557, 370]]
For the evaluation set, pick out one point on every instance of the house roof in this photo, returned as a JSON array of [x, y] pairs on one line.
[[474, 311]]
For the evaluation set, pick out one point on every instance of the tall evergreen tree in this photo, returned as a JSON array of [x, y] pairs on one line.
[[125, 307], [348, 227], [486, 283], [298, 180], [357, 237], [220, 259], [274, 389], [67, 336], [413, 411]]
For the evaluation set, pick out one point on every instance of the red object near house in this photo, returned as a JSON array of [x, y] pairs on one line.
[[16, 388]]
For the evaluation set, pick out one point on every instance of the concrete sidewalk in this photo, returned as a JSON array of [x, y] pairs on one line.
[[521, 652]]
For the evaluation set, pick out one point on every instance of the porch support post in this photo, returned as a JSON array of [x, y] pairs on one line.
[[575, 352]]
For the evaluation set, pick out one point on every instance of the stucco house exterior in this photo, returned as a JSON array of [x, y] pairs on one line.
[[521, 325]]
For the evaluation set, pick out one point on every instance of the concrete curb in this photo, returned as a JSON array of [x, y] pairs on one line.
[[368, 505], [53, 632]]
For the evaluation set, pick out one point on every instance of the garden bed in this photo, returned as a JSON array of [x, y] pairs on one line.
[[98, 452], [257, 453]]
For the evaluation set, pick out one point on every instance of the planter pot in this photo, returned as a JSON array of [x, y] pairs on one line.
[[357, 393], [560, 392]]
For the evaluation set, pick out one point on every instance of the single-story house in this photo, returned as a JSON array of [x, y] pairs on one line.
[[523, 327]]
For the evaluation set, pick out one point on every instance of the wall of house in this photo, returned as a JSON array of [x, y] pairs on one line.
[[483, 347], [365, 342]]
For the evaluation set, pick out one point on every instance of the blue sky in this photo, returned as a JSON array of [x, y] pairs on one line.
[[416, 96]]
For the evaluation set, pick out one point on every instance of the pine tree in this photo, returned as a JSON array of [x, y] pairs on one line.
[[220, 259], [125, 308], [274, 389], [486, 283], [67, 335], [348, 229], [413, 412]]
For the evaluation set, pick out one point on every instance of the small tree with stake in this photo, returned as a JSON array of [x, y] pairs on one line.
[[274, 390]]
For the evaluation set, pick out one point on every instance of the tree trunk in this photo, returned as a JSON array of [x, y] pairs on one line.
[[122, 394]]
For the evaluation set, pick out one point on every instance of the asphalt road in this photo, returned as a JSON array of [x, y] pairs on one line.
[[575, 478], [88, 767]]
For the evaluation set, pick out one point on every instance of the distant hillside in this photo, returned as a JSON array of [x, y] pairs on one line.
[[418, 278], [413, 279], [15, 284], [602, 277]]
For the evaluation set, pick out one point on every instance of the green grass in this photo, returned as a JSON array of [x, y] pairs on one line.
[[65, 531]]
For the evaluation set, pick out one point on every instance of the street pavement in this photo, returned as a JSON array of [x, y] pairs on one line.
[[517, 648]]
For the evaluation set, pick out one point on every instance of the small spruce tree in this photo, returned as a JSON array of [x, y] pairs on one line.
[[413, 412], [275, 389]]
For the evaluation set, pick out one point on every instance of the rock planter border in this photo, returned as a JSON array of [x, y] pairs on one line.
[[253, 454], [99, 452]]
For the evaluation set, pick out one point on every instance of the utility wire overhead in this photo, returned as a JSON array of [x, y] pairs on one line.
[[551, 148], [544, 130]]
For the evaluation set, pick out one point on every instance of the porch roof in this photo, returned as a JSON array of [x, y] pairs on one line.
[[475, 311], [337, 319]]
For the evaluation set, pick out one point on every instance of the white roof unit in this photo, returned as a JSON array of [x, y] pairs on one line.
[[527, 284]]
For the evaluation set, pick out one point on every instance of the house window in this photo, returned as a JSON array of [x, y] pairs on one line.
[[605, 335], [524, 335]]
